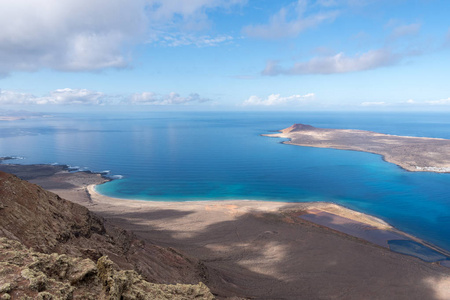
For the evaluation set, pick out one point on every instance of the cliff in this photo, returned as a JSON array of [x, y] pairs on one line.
[[42, 230]]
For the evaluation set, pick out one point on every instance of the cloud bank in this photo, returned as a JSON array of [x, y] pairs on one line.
[[409, 102], [277, 99], [405, 30], [447, 39], [69, 96], [390, 54], [439, 102], [59, 97], [339, 63], [380, 103], [289, 21], [70, 35], [149, 98], [91, 35], [176, 40]]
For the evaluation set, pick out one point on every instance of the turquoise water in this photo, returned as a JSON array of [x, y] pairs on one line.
[[199, 156]]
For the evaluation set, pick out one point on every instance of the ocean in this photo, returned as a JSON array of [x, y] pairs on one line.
[[187, 156]]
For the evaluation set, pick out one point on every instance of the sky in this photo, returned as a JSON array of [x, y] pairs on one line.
[[238, 55]]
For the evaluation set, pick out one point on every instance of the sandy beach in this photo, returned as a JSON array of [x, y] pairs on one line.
[[269, 250]]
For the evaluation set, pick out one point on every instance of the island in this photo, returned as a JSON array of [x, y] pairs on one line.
[[410, 153]]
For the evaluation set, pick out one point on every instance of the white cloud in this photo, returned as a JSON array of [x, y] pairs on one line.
[[176, 40], [70, 35], [411, 103], [277, 99], [142, 98], [60, 96], [339, 63], [162, 10], [439, 102], [349, 3], [405, 30], [89, 35], [381, 103], [173, 98], [175, 22], [289, 21], [11, 97], [327, 3], [73, 96], [69, 96], [447, 39]]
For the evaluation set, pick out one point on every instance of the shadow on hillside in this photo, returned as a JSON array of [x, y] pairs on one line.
[[263, 256]]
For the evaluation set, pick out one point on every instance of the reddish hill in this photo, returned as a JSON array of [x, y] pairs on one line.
[[298, 127], [46, 223]]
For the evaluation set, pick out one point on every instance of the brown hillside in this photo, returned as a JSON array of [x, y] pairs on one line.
[[43, 221]]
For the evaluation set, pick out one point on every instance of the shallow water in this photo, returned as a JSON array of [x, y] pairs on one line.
[[196, 156]]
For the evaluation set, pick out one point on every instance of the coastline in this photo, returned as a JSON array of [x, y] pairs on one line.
[[330, 215], [268, 249], [413, 154], [80, 187], [247, 205]]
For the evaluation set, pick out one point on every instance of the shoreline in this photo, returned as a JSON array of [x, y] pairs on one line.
[[347, 212], [331, 206], [83, 191], [337, 212], [383, 157], [263, 249], [413, 154]]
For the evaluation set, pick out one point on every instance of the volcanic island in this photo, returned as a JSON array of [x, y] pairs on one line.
[[410, 153]]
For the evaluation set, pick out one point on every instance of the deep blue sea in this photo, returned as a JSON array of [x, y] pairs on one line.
[[198, 156]]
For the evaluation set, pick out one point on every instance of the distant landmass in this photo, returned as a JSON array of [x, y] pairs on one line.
[[14, 115], [410, 153]]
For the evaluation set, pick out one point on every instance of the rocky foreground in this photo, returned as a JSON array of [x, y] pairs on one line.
[[26, 274], [51, 248], [410, 153]]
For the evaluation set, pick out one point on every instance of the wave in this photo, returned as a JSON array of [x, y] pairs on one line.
[[12, 158], [104, 173]]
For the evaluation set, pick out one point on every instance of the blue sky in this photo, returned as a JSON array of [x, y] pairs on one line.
[[225, 55]]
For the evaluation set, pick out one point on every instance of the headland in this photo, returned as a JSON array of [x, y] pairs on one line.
[[415, 154]]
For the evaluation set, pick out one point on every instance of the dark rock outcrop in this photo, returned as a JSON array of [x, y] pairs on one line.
[[47, 224], [26, 274]]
